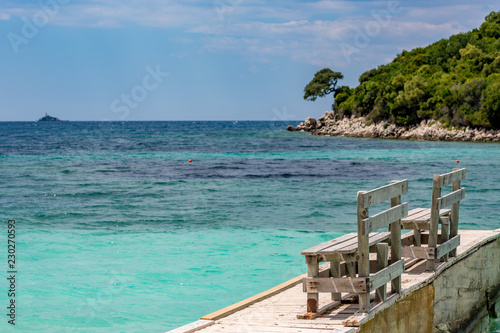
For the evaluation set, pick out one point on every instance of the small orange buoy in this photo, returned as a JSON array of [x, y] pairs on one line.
[[458, 161], [192, 161]]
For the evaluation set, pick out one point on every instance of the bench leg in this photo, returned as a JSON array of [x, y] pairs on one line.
[[445, 232], [350, 265], [417, 237], [312, 271], [382, 260], [364, 302], [430, 265], [350, 268], [454, 217], [364, 271], [335, 273]]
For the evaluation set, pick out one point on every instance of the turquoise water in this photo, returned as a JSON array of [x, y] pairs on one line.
[[117, 232]]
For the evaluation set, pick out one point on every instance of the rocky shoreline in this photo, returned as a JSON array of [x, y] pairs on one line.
[[429, 130]]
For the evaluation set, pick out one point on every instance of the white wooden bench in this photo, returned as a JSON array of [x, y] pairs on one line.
[[349, 254], [432, 245]]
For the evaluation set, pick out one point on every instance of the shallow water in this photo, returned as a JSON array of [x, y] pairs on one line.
[[118, 232]]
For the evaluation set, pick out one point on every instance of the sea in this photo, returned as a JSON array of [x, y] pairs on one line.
[[147, 226]]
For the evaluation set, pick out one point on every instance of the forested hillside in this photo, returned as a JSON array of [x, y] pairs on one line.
[[455, 81]]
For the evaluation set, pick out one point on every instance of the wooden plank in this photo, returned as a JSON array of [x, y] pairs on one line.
[[444, 248], [423, 214], [338, 240], [433, 226], [269, 328], [325, 273], [192, 327], [336, 285], [451, 177], [364, 253], [383, 193], [454, 218], [425, 225], [384, 218], [313, 272], [442, 212], [417, 237], [335, 272], [387, 274], [445, 235], [415, 211], [410, 262], [350, 269], [396, 245], [453, 197], [254, 299], [422, 225], [418, 252], [351, 245], [382, 258], [372, 240]]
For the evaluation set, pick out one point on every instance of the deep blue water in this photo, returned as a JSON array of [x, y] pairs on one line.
[[118, 232]]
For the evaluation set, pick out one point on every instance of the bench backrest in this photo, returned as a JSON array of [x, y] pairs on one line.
[[440, 202], [391, 216]]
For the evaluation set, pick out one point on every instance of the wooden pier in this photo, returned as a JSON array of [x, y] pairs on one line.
[[459, 295]]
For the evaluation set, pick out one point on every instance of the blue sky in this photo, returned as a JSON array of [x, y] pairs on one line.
[[202, 60]]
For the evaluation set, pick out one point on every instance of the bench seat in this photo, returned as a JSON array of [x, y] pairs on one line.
[[420, 218], [346, 244]]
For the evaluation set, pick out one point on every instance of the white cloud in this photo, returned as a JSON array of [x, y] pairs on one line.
[[310, 32], [112, 13]]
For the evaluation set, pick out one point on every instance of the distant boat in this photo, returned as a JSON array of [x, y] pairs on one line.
[[49, 118]]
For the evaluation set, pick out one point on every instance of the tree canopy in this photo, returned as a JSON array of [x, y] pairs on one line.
[[323, 83], [454, 80]]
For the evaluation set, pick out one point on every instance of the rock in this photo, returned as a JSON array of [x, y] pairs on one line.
[[290, 128], [358, 127], [310, 123]]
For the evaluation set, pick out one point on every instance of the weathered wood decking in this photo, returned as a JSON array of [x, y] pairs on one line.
[[276, 310]]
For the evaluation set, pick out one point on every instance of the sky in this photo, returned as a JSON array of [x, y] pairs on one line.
[[128, 60]]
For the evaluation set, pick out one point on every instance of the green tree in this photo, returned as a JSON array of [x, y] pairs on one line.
[[323, 83], [454, 80], [491, 28], [491, 100], [340, 95]]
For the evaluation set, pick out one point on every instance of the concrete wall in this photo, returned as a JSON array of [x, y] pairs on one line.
[[461, 298]]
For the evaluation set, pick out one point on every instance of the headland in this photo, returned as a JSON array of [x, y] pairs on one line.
[[361, 127]]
